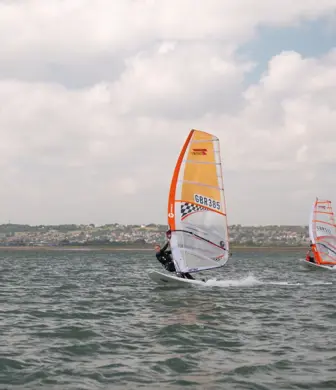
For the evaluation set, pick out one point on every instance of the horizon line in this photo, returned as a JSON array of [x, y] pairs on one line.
[[137, 224]]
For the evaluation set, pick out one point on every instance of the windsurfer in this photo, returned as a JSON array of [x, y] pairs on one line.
[[165, 258], [310, 256]]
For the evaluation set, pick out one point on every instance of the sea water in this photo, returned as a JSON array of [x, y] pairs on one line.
[[94, 320]]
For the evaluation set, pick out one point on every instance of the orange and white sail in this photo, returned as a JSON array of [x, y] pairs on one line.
[[322, 232], [196, 206]]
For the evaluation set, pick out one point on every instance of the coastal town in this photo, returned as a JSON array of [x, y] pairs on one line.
[[141, 235]]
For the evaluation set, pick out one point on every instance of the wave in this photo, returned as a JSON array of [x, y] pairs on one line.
[[251, 281]]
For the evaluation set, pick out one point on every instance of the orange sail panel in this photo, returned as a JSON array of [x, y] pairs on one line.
[[322, 232], [196, 206]]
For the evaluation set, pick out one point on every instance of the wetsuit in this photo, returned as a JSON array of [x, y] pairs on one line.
[[166, 260], [310, 257]]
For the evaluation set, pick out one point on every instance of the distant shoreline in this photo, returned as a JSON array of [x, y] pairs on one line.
[[142, 249]]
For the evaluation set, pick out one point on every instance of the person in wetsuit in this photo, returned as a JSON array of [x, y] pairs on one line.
[[310, 254], [164, 257]]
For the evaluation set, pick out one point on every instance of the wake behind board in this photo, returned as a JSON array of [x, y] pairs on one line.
[[171, 280]]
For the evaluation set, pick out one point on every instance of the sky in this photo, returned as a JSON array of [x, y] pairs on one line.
[[98, 97]]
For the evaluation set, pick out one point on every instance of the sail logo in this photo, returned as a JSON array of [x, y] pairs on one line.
[[323, 229], [208, 202], [199, 152]]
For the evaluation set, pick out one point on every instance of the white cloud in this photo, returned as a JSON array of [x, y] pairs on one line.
[[105, 152], [184, 82], [82, 26], [81, 41]]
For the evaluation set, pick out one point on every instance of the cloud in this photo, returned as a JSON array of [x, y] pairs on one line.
[[103, 24], [96, 99], [296, 100], [76, 42], [181, 81]]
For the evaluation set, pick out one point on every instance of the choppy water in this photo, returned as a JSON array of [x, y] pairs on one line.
[[93, 320]]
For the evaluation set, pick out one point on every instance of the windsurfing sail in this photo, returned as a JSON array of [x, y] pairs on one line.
[[322, 232], [196, 206]]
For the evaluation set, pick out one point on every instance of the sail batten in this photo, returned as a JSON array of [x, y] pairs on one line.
[[201, 162], [200, 184], [201, 141], [325, 223], [196, 206]]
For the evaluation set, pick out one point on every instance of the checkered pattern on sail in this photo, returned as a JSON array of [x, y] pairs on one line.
[[188, 208]]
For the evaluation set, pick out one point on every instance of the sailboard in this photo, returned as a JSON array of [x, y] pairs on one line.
[[322, 233], [172, 280], [196, 212]]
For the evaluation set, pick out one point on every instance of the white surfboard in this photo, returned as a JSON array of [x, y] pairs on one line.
[[172, 280], [319, 266]]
